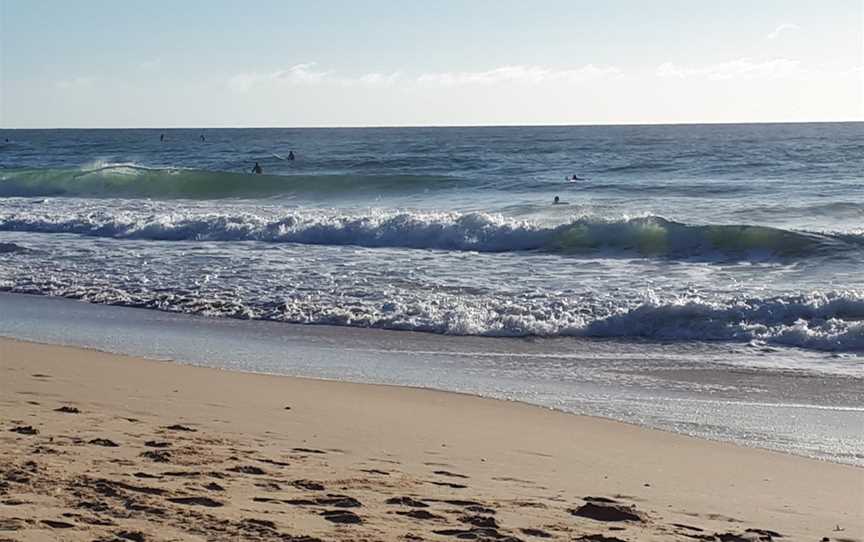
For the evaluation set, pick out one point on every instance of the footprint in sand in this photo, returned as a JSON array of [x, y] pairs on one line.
[[248, 469], [25, 430], [57, 524], [480, 521], [308, 451], [309, 485], [601, 509], [450, 474], [375, 471], [178, 427], [341, 516], [447, 484], [197, 501], [339, 501], [159, 456], [104, 442], [419, 514]]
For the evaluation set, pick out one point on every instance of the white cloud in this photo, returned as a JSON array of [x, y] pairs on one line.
[[76, 82], [306, 74], [742, 68], [296, 74], [785, 27], [520, 74]]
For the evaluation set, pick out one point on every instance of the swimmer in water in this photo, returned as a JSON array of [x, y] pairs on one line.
[[575, 178], [256, 169], [557, 201], [290, 155]]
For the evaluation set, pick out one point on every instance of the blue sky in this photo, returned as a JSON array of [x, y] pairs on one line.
[[361, 63]]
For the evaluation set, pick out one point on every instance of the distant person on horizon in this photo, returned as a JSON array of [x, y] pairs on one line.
[[256, 169], [161, 138], [290, 155], [203, 138]]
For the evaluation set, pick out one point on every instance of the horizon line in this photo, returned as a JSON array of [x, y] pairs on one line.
[[384, 126]]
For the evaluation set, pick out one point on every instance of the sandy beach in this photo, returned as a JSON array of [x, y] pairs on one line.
[[97, 446], [105, 447]]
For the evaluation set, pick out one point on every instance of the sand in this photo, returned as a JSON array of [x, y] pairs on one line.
[[97, 446]]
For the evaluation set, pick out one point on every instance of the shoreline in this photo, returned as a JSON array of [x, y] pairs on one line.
[[805, 405], [342, 436], [420, 388]]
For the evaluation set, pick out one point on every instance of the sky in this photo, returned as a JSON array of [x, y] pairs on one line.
[[216, 63]]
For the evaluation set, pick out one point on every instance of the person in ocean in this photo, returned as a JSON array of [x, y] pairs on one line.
[[557, 201], [203, 138], [256, 169], [575, 178], [161, 138], [290, 155]]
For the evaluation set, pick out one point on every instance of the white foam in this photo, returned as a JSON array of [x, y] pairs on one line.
[[477, 231]]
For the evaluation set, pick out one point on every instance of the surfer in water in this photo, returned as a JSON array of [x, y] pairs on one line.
[[256, 169], [290, 155], [557, 201], [161, 138], [575, 178]]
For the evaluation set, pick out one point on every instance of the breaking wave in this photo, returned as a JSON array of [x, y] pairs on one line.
[[829, 322], [481, 232]]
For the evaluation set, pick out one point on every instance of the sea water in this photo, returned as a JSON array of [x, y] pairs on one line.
[[732, 245]]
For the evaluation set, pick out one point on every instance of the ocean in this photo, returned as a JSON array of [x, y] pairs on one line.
[[713, 263]]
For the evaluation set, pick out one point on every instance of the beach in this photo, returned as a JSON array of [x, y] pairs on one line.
[[586, 272], [98, 446]]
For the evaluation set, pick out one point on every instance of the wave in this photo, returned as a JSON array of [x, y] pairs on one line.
[[11, 248], [136, 181], [828, 322], [650, 236], [835, 209]]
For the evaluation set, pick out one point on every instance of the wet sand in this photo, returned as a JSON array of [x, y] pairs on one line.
[[104, 447]]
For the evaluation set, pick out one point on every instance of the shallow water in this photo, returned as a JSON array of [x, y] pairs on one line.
[[721, 391]]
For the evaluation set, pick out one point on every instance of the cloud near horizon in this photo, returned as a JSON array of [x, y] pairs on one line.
[[744, 68], [307, 74], [521, 74]]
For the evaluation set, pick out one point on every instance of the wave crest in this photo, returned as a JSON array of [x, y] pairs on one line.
[[647, 236], [136, 181]]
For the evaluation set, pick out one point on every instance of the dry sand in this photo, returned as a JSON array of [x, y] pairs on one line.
[[146, 450]]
